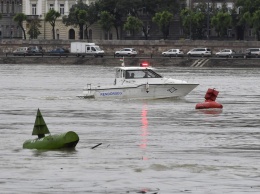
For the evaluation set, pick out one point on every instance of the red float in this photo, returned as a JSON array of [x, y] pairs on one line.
[[210, 98]]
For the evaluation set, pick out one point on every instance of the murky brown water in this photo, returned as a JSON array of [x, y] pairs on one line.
[[156, 146]]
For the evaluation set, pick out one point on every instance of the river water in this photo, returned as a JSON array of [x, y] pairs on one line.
[[148, 146]]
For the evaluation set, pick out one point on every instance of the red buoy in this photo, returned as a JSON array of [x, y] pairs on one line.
[[210, 98]]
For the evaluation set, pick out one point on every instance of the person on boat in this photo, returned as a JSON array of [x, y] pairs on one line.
[[146, 74], [127, 75]]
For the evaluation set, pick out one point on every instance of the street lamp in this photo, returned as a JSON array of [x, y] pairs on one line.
[[208, 20], [190, 25]]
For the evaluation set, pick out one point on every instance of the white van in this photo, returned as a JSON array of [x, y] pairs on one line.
[[21, 51], [83, 49], [199, 52]]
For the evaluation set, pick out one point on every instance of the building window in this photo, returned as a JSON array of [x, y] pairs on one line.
[[62, 9], [34, 11], [90, 34], [12, 7], [57, 34], [239, 10], [2, 6], [7, 7], [229, 32], [181, 32], [51, 6], [219, 6], [128, 33], [250, 33]]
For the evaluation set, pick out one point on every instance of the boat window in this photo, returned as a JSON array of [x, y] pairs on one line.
[[144, 73], [118, 73]]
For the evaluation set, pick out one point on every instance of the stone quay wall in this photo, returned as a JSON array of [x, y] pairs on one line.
[[146, 49], [113, 62], [142, 46]]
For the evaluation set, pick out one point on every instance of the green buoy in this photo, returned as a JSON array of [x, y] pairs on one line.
[[64, 140]]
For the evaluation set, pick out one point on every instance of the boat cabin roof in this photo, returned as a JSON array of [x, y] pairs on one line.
[[134, 68], [136, 72]]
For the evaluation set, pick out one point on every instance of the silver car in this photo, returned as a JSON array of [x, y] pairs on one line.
[[131, 52], [252, 52], [199, 52], [173, 52], [21, 51], [225, 53]]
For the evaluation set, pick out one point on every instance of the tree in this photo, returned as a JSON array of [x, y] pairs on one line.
[[140, 9], [187, 20], [166, 5], [144, 10], [115, 9], [20, 18], [163, 20], [106, 21], [51, 17], [91, 16], [133, 24], [247, 9], [196, 20], [221, 22], [256, 23], [77, 17], [34, 31]]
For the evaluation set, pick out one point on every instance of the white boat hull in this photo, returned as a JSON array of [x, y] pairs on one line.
[[144, 91]]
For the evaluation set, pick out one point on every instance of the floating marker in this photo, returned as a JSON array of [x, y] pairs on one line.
[[64, 140], [210, 102]]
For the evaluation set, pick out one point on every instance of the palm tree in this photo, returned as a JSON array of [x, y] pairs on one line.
[[20, 18], [51, 17]]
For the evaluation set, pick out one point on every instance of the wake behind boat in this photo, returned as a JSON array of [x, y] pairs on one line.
[[139, 83]]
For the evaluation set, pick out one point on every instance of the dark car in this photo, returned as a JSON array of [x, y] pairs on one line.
[[59, 52]]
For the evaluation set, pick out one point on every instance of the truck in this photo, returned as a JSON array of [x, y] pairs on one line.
[[86, 49]]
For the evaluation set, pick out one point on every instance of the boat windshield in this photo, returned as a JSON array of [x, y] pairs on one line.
[[144, 73]]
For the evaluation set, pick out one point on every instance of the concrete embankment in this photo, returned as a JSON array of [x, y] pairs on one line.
[[110, 61]]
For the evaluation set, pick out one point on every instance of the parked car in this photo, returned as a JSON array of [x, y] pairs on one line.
[[225, 53], [126, 52], [22, 51], [252, 52], [35, 50], [173, 52], [59, 52], [199, 52]]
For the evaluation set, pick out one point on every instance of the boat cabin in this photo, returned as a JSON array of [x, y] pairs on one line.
[[136, 73]]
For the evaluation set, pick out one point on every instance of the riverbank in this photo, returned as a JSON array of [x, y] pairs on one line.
[[142, 46], [110, 61]]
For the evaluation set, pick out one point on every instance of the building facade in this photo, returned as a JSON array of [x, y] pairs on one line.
[[37, 9], [9, 28]]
